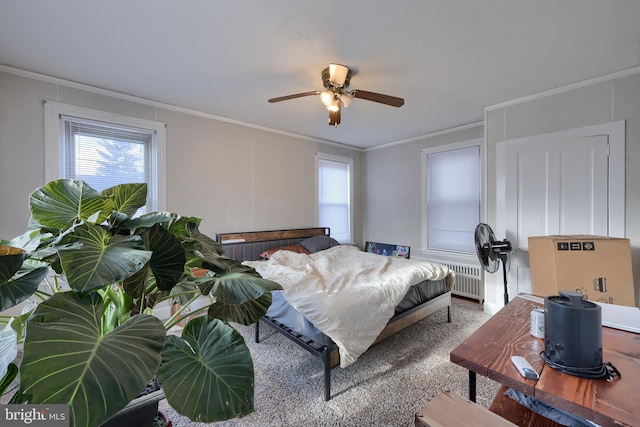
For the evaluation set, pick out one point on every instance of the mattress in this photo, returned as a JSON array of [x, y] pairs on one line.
[[282, 312]]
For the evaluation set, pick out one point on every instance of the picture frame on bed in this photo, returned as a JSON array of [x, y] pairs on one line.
[[386, 249]]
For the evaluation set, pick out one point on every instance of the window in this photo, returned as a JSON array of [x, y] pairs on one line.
[[105, 150], [334, 179], [453, 190]]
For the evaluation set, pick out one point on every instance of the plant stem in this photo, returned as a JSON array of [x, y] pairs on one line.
[[175, 318]]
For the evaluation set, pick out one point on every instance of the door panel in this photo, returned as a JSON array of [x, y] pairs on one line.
[[553, 187], [584, 188]]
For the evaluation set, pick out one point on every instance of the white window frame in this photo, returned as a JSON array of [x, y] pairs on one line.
[[341, 159], [441, 254], [54, 167]]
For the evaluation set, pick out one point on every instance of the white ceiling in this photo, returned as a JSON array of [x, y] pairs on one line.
[[447, 58]]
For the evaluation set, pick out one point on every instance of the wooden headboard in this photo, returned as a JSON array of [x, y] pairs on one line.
[[248, 245]]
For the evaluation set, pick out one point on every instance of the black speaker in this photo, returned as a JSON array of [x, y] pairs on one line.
[[572, 332]]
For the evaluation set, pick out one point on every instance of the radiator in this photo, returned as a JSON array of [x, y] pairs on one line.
[[468, 280]]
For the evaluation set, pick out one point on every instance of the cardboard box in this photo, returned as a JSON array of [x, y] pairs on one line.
[[596, 266]]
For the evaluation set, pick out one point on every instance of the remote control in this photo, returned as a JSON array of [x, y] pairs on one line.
[[524, 367]]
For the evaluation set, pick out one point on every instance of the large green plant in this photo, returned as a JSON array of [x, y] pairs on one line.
[[92, 341]]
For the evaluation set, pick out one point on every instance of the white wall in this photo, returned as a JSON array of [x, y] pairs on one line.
[[393, 173], [240, 178], [234, 177], [393, 212], [589, 103]]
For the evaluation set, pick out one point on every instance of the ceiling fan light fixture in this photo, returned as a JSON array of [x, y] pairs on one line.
[[338, 74], [326, 97], [336, 79], [346, 99]]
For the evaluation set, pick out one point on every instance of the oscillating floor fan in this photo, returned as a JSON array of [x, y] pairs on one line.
[[491, 251]]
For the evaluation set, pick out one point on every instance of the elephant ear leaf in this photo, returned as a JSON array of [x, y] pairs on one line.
[[9, 376], [14, 290], [210, 359], [168, 259], [127, 198], [100, 260], [68, 360], [194, 239], [61, 203], [240, 297]]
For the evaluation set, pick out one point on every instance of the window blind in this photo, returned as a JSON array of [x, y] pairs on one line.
[[104, 154], [453, 199], [334, 197]]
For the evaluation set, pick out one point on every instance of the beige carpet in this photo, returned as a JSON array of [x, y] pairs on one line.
[[384, 387]]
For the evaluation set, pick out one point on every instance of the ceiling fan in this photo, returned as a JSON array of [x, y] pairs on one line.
[[336, 79]]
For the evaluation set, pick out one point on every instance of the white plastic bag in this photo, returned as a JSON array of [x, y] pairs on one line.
[[8, 347]]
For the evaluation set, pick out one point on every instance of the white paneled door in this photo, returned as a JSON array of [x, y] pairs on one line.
[[559, 184]]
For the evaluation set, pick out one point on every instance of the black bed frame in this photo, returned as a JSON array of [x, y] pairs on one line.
[[249, 245]]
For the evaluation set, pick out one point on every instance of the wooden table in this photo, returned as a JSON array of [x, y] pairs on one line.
[[488, 352]]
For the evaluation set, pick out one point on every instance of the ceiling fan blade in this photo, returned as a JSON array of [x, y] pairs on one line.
[[378, 97], [334, 117], [295, 95]]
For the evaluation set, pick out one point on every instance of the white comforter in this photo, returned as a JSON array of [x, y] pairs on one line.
[[348, 294]]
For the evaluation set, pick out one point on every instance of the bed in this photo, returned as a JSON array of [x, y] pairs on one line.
[[414, 304]]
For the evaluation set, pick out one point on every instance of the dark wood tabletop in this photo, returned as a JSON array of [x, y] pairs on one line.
[[488, 352]]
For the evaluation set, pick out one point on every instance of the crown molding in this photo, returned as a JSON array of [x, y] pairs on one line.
[[165, 106], [567, 88]]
